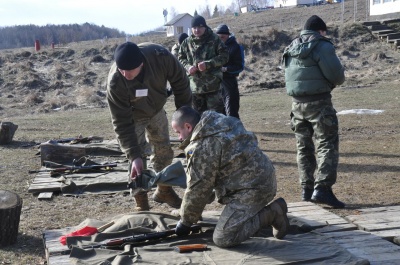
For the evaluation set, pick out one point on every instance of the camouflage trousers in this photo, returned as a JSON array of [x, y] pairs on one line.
[[153, 138], [238, 222], [208, 101], [318, 119]]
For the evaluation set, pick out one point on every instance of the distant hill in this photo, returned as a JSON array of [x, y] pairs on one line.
[[25, 36]]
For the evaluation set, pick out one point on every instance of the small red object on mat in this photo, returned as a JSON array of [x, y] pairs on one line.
[[85, 231]]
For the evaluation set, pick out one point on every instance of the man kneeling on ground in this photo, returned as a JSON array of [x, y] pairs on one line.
[[223, 156]]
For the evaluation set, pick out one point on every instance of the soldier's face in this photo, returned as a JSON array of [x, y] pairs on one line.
[[131, 74], [183, 131], [223, 37], [198, 31]]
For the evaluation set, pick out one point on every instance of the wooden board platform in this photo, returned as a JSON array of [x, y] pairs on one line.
[[380, 221], [360, 243]]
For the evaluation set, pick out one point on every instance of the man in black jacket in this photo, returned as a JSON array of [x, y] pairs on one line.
[[229, 85]]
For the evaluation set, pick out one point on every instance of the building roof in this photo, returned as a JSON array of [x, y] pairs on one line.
[[176, 19]]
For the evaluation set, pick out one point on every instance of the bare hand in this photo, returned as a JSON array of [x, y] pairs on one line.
[[202, 66], [193, 70], [136, 168]]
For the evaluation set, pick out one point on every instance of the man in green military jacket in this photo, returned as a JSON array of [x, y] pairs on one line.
[[203, 54], [312, 71], [136, 94]]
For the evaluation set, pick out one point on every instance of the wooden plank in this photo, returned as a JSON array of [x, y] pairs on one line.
[[45, 196], [336, 228], [373, 217], [393, 36], [370, 23], [378, 27], [53, 246], [389, 235], [395, 208], [379, 226]]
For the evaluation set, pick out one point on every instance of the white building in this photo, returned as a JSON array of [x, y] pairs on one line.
[[383, 7], [179, 24]]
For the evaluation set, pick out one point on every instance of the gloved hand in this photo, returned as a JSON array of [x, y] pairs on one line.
[[181, 229]]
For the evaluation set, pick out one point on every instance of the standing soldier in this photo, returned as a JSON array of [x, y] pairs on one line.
[[175, 48], [312, 71], [230, 70], [136, 94], [203, 54]]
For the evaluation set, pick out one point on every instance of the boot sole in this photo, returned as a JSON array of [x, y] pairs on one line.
[[316, 200], [156, 199]]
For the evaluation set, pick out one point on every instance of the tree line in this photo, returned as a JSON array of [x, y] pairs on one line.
[[25, 36], [219, 11]]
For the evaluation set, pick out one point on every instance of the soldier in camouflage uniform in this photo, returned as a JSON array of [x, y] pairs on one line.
[[223, 156], [312, 70], [136, 94], [203, 54], [175, 48]]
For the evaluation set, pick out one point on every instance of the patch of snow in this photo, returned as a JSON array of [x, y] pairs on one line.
[[359, 111]]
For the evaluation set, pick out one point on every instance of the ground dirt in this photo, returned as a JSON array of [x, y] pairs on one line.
[[60, 93]]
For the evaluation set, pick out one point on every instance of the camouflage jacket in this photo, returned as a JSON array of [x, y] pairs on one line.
[[223, 156], [311, 66], [210, 49], [175, 49], [134, 100]]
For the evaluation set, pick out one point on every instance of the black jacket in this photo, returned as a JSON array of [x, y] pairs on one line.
[[234, 64]]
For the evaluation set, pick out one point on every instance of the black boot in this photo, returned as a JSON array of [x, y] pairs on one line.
[[306, 194], [325, 195]]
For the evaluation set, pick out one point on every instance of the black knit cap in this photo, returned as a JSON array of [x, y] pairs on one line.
[[128, 56], [315, 23], [222, 29], [182, 37], [198, 21]]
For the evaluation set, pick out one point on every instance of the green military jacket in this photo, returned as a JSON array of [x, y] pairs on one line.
[[134, 100], [311, 65], [175, 49], [222, 155], [210, 49]]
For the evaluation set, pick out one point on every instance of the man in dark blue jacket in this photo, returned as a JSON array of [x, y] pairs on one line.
[[312, 71], [230, 70]]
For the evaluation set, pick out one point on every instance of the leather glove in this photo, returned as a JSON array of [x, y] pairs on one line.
[[181, 229]]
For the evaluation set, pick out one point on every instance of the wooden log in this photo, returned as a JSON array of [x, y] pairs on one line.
[[7, 131], [10, 211]]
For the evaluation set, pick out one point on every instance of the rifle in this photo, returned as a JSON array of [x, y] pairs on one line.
[[75, 169], [141, 238], [77, 140]]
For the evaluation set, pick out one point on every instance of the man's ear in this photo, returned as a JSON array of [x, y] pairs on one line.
[[188, 127]]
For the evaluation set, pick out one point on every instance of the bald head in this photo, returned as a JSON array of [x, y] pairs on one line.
[[184, 120], [186, 114]]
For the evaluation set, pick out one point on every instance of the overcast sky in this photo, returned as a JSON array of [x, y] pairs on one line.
[[130, 16]]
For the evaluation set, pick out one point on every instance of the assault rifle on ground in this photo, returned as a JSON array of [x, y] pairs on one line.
[[141, 238], [76, 169]]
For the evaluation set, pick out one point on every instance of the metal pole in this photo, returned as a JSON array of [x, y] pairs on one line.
[[342, 11], [355, 10]]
